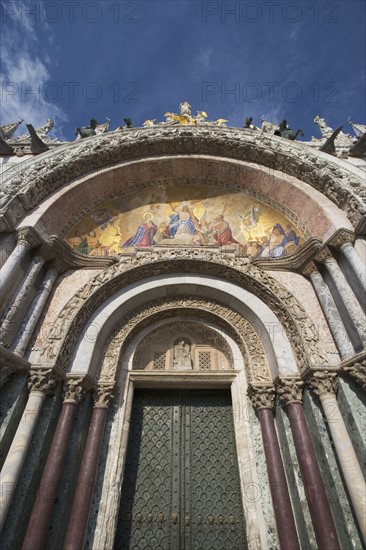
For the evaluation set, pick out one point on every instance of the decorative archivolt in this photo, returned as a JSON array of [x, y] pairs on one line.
[[300, 330], [25, 188], [231, 322]]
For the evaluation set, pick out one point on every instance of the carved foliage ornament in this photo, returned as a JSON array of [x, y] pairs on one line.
[[262, 396], [323, 382], [290, 389], [300, 330], [27, 187], [42, 380], [103, 395]]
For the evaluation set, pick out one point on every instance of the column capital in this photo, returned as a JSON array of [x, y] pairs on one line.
[[75, 388], [310, 269], [43, 379], [29, 237], [324, 255], [290, 389], [341, 237], [103, 394], [262, 396], [323, 382]]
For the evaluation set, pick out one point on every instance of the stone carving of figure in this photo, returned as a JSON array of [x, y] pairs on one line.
[[182, 356], [185, 108]]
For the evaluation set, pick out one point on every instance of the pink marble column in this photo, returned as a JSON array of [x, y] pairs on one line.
[[290, 391], [263, 400], [47, 492], [79, 515]]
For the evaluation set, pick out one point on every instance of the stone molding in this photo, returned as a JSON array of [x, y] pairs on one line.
[[295, 262], [66, 329], [26, 187], [262, 396], [290, 389], [229, 320], [103, 394], [57, 249]]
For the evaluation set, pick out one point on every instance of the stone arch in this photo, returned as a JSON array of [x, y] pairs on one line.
[[28, 185], [300, 331], [231, 323]]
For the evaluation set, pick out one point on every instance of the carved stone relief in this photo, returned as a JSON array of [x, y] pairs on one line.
[[162, 348]]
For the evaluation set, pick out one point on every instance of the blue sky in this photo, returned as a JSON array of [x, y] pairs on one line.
[[73, 60]]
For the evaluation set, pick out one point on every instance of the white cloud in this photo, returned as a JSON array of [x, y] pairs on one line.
[[25, 71]]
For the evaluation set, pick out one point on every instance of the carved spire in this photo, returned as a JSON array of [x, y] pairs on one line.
[[290, 389], [103, 395], [323, 382], [262, 396]]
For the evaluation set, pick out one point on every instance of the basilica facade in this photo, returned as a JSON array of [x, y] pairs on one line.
[[183, 339]]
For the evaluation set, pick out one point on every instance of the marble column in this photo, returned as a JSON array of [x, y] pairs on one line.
[[41, 381], [30, 321], [27, 239], [356, 263], [51, 478], [263, 399], [8, 325], [346, 293], [324, 384], [79, 515], [330, 311], [290, 391]]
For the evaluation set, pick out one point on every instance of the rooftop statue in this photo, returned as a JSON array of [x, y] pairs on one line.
[[248, 124], [128, 122], [326, 130], [285, 132], [185, 118], [87, 131]]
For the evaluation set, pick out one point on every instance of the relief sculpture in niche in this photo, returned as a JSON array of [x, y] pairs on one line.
[[182, 356], [186, 215]]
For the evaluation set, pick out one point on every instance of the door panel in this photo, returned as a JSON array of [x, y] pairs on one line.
[[181, 484]]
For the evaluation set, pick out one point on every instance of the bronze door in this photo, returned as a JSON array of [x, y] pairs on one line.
[[181, 484]]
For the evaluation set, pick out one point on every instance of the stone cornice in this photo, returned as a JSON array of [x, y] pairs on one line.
[[295, 262], [26, 187], [57, 249]]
